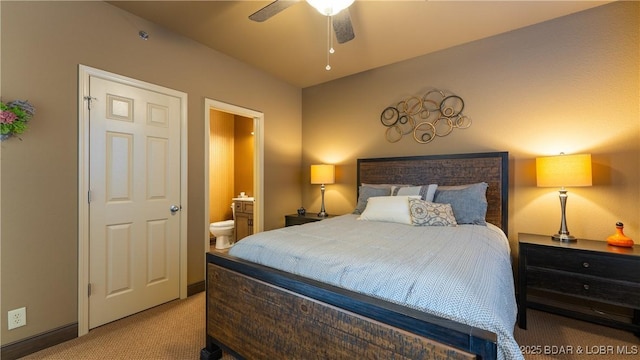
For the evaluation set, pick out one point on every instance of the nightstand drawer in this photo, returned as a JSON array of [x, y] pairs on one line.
[[601, 289], [295, 219], [578, 278], [584, 263]]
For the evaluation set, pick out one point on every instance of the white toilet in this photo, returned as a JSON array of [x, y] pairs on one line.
[[223, 231]]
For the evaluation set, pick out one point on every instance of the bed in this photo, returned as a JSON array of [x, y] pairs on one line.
[[260, 309]]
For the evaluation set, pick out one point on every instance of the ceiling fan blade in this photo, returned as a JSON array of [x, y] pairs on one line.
[[271, 10], [342, 26]]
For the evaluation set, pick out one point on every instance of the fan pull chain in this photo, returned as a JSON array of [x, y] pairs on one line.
[[331, 51], [329, 42]]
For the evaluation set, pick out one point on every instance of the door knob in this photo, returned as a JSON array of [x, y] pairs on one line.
[[174, 209]]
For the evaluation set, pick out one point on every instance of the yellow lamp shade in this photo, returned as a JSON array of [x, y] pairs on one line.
[[322, 174], [564, 170]]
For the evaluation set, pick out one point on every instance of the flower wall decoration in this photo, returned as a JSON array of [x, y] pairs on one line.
[[14, 117]]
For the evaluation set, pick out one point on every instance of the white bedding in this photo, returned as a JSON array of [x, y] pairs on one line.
[[461, 273]]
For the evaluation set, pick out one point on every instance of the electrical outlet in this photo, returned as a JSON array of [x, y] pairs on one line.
[[17, 318]]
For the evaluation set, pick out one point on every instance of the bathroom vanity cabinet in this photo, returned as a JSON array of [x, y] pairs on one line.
[[244, 218]]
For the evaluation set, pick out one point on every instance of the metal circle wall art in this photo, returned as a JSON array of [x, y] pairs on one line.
[[435, 114]]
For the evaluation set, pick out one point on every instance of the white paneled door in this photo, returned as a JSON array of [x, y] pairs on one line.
[[134, 199]]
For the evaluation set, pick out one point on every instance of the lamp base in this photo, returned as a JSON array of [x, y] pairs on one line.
[[322, 212], [564, 238]]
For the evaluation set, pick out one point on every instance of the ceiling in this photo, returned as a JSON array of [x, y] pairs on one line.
[[292, 45]]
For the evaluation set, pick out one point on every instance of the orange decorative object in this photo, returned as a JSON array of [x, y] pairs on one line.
[[619, 238]]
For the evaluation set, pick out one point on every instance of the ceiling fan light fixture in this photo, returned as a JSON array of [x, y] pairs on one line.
[[330, 7]]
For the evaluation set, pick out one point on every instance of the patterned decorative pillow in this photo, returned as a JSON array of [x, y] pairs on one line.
[[425, 213], [426, 191]]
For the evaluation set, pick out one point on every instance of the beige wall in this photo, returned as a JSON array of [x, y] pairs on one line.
[[244, 153], [42, 45], [570, 84], [221, 165]]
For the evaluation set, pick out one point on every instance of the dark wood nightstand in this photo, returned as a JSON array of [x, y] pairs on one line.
[[295, 219], [579, 279]]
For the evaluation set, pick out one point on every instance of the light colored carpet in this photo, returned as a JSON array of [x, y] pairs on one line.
[[176, 330], [548, 336]]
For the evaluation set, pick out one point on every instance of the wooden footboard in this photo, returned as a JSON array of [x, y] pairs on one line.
[[256, 312]]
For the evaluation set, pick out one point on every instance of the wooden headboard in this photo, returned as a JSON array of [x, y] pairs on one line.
[[458, 169]]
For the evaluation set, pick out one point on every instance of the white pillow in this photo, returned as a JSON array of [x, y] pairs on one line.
[[389, 209]]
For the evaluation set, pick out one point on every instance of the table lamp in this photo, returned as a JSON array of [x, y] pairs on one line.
[[322, 174], [561, 171]]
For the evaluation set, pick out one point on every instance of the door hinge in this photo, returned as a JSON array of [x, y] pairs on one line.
[[88, 99], [89, 196], [89, 289]]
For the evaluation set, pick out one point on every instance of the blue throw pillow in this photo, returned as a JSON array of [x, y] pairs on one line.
[[469, 202], [365, 193]]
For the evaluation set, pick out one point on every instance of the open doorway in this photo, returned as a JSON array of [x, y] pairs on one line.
[[212, 107]]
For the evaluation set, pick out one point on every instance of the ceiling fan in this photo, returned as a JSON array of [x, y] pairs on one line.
[[336, 10]]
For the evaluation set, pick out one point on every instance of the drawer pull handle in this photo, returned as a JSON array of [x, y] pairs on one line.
[[585, 264], [585, 286]]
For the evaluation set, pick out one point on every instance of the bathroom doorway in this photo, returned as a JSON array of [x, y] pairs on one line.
[[241, 119]]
